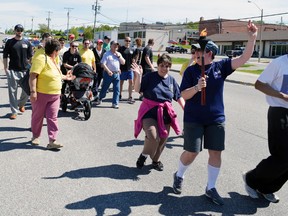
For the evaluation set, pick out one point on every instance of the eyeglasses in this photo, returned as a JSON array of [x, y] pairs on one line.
[[86, 43], [128, 40], [19, 30], [74, 46]]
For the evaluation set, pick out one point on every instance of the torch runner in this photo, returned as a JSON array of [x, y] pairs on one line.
[[202, 42]]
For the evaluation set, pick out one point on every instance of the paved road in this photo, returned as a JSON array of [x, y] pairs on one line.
[[95, 174]]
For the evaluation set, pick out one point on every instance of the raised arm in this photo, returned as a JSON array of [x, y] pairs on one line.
[[252, 34]]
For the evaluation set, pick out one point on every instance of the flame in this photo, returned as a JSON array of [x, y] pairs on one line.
[[203, 33]]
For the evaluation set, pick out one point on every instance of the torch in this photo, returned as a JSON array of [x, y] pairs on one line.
[[202, 42]]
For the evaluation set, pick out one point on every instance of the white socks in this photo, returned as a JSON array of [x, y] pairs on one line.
[[181, 169], [213, 173]]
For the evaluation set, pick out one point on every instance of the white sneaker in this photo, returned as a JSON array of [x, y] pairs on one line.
[[251, 192], [115, 106]]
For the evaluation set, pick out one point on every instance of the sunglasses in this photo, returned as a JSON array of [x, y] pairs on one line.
[[74, 46], [86, 43], [19, 30], [128, 40]]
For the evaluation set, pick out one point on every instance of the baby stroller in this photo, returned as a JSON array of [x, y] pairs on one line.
[[79, 92]]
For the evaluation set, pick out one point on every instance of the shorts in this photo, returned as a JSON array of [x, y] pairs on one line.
[[126, 75], [213, 134]]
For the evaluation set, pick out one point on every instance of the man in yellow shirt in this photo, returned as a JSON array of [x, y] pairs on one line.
[[87, 55]]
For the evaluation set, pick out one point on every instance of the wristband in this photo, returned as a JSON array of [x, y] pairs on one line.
[[196, 88]]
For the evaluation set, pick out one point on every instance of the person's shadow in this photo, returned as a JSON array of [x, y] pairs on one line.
[[114, 171], [137, 142], [8, 145], [169, 204]]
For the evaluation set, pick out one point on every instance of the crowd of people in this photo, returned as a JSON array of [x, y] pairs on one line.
[[202, 77]]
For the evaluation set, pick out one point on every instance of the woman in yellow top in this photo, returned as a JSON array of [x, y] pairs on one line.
[[192, 61], [45, 85]]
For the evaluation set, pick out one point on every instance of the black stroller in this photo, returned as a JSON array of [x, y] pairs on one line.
[[79, 93]]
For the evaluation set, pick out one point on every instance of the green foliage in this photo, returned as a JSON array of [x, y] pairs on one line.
[[192, 25], [43, 28]]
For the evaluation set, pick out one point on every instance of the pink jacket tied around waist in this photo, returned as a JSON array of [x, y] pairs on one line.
[[145, 106]]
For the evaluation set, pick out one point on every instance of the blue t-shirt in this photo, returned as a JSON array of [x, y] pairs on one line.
[[213, 111], [157, 88]]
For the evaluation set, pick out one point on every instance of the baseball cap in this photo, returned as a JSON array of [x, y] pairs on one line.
[[114, 42], [107, 37], [19, 26], [99, 41], [195, 46], [212, 47]]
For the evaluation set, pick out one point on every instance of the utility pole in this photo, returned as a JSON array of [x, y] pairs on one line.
[[68, 16], [48, 19], [96, 8], [32, 19]]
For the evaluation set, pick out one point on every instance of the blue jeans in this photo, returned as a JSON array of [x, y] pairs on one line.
[[107, 80]]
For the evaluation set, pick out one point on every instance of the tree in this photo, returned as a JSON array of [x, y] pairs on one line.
[[43, 28]]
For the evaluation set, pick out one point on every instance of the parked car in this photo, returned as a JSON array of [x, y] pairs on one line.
[[173, 49], [234, 53]]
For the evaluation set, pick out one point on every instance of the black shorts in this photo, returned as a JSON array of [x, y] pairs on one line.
[[213, 135]]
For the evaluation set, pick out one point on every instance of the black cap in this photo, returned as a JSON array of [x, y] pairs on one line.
[[107, 37], [19, 26]]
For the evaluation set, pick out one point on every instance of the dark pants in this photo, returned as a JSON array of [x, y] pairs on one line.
[[272, 173], [97, 80]]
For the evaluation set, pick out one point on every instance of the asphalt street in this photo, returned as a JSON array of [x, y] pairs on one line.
[[95, 173]]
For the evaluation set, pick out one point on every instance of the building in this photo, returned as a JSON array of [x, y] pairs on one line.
[[231, 34]]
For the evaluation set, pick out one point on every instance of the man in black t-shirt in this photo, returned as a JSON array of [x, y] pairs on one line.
[[70, 58], [126, 72], [147, 58], [19, 52]]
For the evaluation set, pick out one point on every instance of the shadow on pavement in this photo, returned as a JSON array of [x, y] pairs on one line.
[[136, 142], [114, 171], [7, 145], [170, 204]]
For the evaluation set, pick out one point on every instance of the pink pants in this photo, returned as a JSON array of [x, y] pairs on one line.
[[47, 106]]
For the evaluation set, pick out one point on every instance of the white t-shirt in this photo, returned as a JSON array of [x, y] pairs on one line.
[[276, 75]]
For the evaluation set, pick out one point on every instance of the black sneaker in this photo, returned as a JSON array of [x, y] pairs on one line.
[[141, 161], [177, 184], [157, 165], [214, 196]]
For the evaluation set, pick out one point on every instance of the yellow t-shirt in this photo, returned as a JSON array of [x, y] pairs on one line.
[[41, 51], [49, 77], [184, 66], [87, 56]]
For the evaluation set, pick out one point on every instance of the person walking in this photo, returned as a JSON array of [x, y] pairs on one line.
[[19, 51], [87, 55], [271, 173], [206, 122], [156, 114], [147, 58], [45, 85], [70, 58], [111, 63], [98, 53], [126, 72]]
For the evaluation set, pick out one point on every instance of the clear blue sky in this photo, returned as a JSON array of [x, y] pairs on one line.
[[113, 12]]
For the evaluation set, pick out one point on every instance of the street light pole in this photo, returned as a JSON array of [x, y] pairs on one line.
[[260, 34]]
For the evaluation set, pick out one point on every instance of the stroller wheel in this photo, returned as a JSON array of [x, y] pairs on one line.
[[64, 103], [87, 109]]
